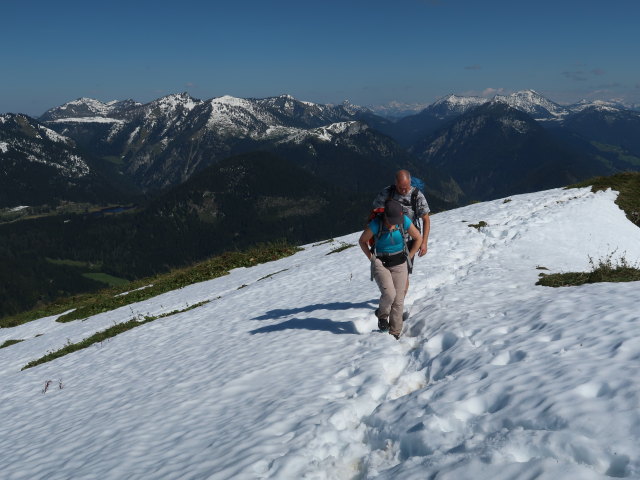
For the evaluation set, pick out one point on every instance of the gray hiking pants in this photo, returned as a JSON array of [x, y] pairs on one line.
[[392, 282]]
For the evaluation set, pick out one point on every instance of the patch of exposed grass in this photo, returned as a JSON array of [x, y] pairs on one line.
[[479, 225], [8, 343], [106, 278], [343, 246], [272, 274], [606, 270], [323, 243], [627, 183], [89, 304], [69, 263], [104, 335]]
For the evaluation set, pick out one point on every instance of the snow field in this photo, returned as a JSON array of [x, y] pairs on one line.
[[284, 376]]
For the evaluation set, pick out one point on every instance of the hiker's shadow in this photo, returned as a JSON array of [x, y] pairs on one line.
[[311, 323]]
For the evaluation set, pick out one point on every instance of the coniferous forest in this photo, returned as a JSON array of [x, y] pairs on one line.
[[233, 205]]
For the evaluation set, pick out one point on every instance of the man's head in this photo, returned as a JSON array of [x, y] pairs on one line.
[[403, 182]]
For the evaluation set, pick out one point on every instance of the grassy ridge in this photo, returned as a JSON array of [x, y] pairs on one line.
[[606, 269], [627, 183], [104, 335], [86, 305]]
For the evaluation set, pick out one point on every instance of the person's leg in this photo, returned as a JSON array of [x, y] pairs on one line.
[[399, 277], [383, 278]]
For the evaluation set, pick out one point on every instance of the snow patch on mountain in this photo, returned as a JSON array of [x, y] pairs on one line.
[[87, 120], [4, 147], [532, 103], [93, 105], [599, 105], [514, 124], [239, 116], [460, 103], [72, 166], [352, 109], [330, 133], [133, 135], [171, 103], [340, 128], [54, 136], [87, 108], [233, 101], [115, 130]]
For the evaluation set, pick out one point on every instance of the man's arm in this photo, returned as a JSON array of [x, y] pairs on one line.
[[426, 227], [414, 233]]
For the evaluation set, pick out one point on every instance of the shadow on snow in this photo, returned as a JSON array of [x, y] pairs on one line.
[[311, 323]]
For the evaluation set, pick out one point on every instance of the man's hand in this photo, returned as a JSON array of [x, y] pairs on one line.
[[423, 250]]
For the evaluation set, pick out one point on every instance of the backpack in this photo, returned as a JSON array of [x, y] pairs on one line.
[[405, 248], [418, 185]]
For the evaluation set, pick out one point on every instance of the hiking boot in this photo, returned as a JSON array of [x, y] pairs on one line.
[[397, 337], [383, 323]]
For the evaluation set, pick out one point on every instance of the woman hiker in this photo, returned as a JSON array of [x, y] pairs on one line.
[[389, 262]]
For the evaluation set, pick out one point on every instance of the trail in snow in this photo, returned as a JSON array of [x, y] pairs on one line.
[[284, 376]]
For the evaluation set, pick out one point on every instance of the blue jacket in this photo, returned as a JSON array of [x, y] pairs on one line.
[[389, 242]]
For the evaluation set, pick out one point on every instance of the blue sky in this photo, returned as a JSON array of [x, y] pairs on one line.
[[369, 52]]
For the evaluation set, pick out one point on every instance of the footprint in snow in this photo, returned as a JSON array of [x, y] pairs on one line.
[[507, 358]]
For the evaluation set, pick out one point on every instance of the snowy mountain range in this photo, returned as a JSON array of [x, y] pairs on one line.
[[277, 371], [496, 150], [165, 142], [527, 101]]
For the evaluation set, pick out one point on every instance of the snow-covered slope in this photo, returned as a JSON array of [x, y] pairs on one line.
[[281, 375]]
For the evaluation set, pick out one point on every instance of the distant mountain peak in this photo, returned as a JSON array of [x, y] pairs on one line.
[[453, 99], [229, 100], [396, 109], [533, 103], [454, 105], [600, 105], [87, 108], [178, 99]]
